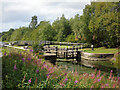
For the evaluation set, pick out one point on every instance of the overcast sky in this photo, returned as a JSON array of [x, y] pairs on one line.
[[18, 13]]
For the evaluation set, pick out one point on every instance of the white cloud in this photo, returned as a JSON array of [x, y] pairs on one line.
[[19, 12]]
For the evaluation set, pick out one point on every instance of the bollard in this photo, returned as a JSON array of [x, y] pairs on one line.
[[92, 47], [81, 46], [66, 53]]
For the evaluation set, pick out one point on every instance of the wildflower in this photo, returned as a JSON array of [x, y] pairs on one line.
[[51, 72], [80, 78], [31, 50], [39, 60], [29, 59], [43, 63], [37, 71], [76, 73], [103, 86], [95, 80], [65, 80], [24, 76], [9, 55], [119, 78], [113, 86], [111, 71], [110, 74], [99, 80], [98, 73], [20, 54], [5, 54], [15, 67], [23, 59], [29, 81], [62, 84], [92, 86], [47, 75], [95, 70], [49, 68], [92, 76], [106, 84], [65, 74], [76, 81]]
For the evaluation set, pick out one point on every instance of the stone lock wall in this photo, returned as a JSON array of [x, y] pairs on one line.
[[96, 56]]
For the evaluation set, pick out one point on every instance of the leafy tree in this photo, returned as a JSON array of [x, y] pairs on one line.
[[62, 28], [70, 38], [104, 25], [7, 35], [33, 23], [18, 34], [46, 32]]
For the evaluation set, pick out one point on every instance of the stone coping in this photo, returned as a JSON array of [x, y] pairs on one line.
[[97, 53], [96, 56]]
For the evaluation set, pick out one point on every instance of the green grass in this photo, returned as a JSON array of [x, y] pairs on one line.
[[62, 46], [96, 50], [100, 50]]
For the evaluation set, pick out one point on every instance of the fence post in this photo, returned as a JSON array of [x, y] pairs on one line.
[[56, 48], [73, 51], [66, 53]]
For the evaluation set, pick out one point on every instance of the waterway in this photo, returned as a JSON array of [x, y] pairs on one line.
[[80, 68]]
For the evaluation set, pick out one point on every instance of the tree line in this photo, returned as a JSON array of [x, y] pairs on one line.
[[99, 25]]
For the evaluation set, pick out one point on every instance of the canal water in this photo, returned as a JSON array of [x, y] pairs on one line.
[[104, 66]]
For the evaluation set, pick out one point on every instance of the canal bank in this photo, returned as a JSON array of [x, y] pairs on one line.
[[87, 63]]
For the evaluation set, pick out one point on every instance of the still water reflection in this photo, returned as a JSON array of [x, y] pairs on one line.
[[104, 66]]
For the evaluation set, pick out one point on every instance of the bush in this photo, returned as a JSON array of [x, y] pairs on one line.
[[37, 48], [70, 38]]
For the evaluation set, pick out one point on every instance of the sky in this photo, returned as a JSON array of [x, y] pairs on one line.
[[18, 13]]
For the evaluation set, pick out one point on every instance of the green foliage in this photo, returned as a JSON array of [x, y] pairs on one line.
[[104, 24], [62, 28], [116, 60], [7, 35], [33, 23], [46, 31], [35, 47], [18, 68], [18, 34], [70, 38]]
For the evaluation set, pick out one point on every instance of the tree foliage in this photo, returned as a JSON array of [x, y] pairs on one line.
[[33, 23]]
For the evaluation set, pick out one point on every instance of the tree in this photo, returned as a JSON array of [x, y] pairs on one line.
[[62, 28], [33, 23], [104, 24]]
